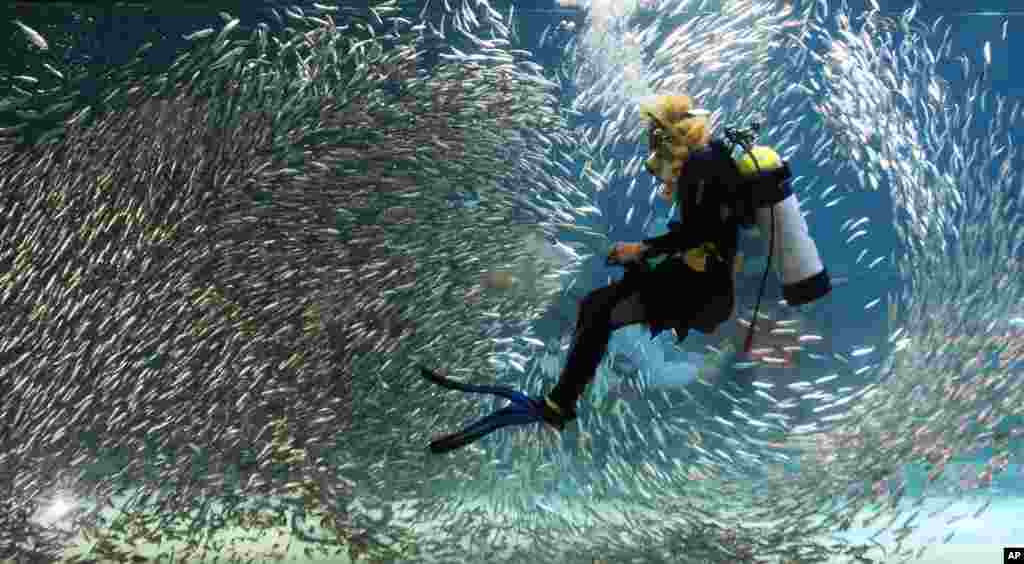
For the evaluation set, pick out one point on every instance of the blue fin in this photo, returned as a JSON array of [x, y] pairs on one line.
[[522, 411]]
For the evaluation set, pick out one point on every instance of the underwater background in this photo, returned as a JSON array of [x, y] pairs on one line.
[[231, 231]]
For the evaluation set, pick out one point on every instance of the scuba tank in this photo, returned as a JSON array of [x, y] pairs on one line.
[[765, 198]]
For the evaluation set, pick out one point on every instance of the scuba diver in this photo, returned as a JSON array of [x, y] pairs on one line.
[[682, 280]]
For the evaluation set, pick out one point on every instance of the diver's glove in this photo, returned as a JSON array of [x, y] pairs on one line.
[[522, 410], [626, 254]]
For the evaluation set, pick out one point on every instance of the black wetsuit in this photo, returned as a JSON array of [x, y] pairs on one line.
[[670, 295]]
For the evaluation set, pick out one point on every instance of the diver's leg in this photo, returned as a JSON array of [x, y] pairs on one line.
[[601, 312]]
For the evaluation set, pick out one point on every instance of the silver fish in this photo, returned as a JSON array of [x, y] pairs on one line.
[[33, 36]]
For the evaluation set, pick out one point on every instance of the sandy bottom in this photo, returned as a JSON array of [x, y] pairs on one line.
[[976, 540]]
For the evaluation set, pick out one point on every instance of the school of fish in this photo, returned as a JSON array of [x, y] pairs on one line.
[[264, 239]]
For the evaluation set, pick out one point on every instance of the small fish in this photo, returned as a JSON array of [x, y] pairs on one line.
[[53, 71], [33, 36], [862, 351], [200, 34], [856, 236]]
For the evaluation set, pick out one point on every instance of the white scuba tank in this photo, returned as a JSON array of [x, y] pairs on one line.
[[795, 257]]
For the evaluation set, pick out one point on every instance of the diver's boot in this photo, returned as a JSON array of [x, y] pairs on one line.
[[554, 414]]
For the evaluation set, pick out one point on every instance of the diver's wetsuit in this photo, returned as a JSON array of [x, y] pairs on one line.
[[671, 295]]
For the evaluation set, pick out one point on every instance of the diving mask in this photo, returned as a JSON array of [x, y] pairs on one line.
[[659, 164]]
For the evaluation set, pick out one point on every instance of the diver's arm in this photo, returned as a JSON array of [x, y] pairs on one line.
[[675, 240]]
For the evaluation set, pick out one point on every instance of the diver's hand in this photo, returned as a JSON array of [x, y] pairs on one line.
[[626, 253]]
